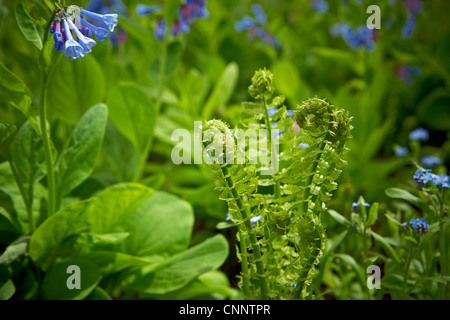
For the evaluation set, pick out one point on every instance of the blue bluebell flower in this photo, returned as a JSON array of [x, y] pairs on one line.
[[420, 225], [405, 73], [409, 26], [228, 218], [108, 20], [430, 161], [320, 5], [160, 31], [100, 33], [401, 151], [257, 27], [85, 42], [260, 16], [355, 206], [244, 24], [419, 134], [72, 48], [58, 37]]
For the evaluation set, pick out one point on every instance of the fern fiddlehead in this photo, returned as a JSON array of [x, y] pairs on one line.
[[279, 252]]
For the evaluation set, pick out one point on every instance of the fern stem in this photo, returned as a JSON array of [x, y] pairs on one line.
[[262, 283], [277, 192], [309, 264]]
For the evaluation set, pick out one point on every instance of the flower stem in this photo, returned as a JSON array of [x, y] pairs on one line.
[[45, 134], [405, 277]]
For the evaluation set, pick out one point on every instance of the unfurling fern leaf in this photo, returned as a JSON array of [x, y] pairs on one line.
[[277, 212]]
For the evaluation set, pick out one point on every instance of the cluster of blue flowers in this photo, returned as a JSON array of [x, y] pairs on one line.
[[424, 176], [256, 27], [99, 25], [108, 7], [187, 13], [362, 37], [419, 225]]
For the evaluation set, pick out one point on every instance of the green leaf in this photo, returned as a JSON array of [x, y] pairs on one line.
[[29, 159], [340, 218], [386, 246], [223, 90], [112, 262], [180, 269], [14, 251], [98, 294], [373, 215], [7, 134], [54, 284], [75, 87], [7, 290], [45, 243], [161, 225], [397, 193], [115, 205], [32, 31], [120, 153], [174, 51], [133, 113], [16, 93], [78, 158]]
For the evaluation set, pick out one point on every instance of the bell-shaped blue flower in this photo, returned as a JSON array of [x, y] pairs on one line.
[[72, 48], [85, 42], [160, 31], [58, 37], [100, 33], [108, 20]]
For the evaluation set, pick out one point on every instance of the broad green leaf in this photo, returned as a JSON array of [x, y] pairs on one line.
[[14, 251], [222, 91], [29, 159], [16, 93], [7, 290], [115, 205], [75, 87], [180, 269], [161, 225], [7, 133], [45, 243], [79, 157], [386, 246], [397, 193], [32, 31], [54, 284], [132, 111], [121, 154], [111, 262], [173, 57]]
